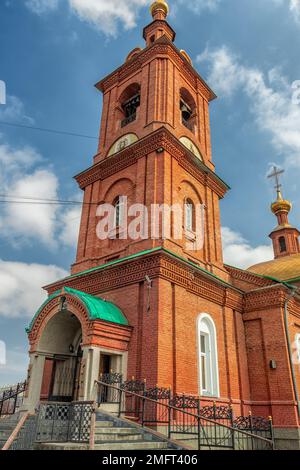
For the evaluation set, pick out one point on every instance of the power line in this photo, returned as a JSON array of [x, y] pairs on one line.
[[51, 131], [9, 199]]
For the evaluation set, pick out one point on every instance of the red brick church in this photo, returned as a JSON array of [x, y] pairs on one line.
[[150, 307]]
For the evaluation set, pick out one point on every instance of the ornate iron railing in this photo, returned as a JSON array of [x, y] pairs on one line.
[[181, 417], [11, 398], [64, 422], [58, 423]]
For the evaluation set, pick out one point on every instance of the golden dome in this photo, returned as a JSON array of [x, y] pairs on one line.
[[159, 5], [286, 268], [281, 205]]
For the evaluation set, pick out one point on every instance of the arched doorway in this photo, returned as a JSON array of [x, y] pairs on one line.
[[60, 343]]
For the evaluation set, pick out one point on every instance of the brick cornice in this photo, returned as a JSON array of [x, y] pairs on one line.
[[249, 277], [162, 47], [264, 299], [162, 138], [160, 265]]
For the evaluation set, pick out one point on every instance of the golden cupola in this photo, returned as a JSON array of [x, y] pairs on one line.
[[159, 10], [281, 205]]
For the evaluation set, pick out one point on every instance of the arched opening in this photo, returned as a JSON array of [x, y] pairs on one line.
[[282, 244], [190, 215], [60, 343], [208, 357], [129, 103], [188, 110]]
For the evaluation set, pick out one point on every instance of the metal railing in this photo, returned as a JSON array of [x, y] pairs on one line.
[[182, 418], [64, 422], [11, 398], [128, 120], [56, 423]]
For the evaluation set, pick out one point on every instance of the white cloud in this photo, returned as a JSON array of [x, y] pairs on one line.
[[106, 15], [32, 219], [295, 9], [70, 221], [199, 5], [14, 111], [19, 176], [24, 174], [15, 369], [292, 5], [20, 287], [270, 98], [238, 252], [41, 6]]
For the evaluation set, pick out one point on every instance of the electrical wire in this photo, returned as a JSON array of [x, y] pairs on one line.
[[44, 129], [10, 199]]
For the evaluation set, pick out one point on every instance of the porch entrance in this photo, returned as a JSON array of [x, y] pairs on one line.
[[61, 376]]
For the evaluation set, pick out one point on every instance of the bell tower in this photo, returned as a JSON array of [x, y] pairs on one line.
[[285, 237], [154, 149]]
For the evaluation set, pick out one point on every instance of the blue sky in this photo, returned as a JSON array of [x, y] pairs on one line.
[[52, 52]]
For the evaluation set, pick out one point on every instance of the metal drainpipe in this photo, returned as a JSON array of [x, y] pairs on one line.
[[286, 324]]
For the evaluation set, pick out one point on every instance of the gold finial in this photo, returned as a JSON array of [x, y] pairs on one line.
[[280, 205], [159, 10]]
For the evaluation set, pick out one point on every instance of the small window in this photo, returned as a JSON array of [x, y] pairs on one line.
[[152, 39], [208, 357], [282, 244], [190, 215], [119, 211]]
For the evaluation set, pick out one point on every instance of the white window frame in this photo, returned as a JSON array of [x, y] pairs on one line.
[[297, 342], [189, 215], [119, 207], [206, 327]]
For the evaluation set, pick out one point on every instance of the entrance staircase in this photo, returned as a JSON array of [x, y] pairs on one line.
[[112, 433], [7, 426]]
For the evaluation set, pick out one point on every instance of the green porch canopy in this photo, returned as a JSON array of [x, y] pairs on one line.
[[98, 309]]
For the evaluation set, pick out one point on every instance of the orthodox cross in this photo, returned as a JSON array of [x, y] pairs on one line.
[[275, 174]]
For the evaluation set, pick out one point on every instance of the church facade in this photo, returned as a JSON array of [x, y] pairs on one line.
[[165, 308]]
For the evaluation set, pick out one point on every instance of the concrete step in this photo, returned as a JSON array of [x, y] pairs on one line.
[[2, 443], [99, 438], [105, 424], [112, 430], [135, 445]]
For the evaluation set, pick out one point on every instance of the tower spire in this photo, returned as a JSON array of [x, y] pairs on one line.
[[285, 237], [159, 26]]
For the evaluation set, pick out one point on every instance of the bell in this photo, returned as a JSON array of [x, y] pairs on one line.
[[186, 112]]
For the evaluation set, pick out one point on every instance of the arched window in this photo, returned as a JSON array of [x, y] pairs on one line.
[[119, 211], [129, 102], [208, 357], [188, 110], [190, 216], [282, 244]]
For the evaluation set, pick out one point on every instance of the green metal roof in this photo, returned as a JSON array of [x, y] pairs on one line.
[[98, 309]]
